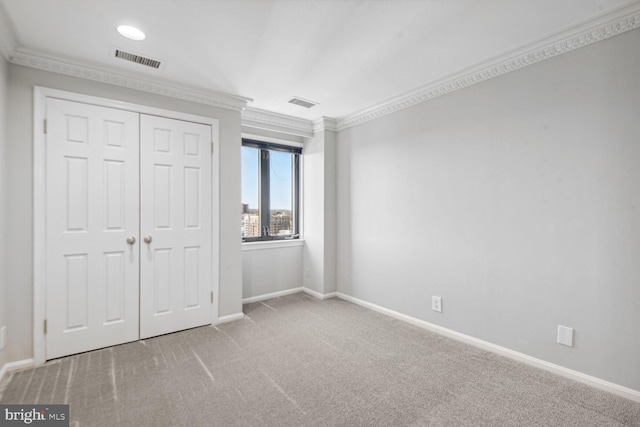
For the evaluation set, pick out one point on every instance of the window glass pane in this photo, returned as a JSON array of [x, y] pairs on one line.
[[280, 191], [250, 168]]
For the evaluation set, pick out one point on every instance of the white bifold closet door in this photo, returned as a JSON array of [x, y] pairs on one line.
[[128, 226], [92, 200], [175, 214]]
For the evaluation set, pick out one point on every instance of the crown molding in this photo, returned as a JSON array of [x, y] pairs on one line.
[[325, 123], [611, 23], [16, 55], [268, 120], [41, 62], [604, 26]]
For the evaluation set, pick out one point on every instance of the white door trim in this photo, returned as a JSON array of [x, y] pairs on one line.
[[40, 96]]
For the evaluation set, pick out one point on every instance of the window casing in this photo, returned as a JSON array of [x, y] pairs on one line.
[[270, 191]]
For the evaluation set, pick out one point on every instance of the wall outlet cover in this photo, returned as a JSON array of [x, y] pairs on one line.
[[436, 304], [565, 335], [3, 337]]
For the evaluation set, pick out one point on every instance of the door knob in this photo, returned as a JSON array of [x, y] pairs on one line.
[[131, 240], [147, 239]]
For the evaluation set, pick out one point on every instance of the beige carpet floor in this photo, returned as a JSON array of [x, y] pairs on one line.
[[296, 361]]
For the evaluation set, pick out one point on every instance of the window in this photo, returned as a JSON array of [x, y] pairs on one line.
[[270, 191]]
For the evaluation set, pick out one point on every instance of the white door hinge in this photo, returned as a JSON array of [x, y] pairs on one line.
[[45, 126], [212, 148], [211, 297], [45, 326]]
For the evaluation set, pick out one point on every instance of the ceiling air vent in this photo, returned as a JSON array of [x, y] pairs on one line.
[[127, 56], [302, 102]]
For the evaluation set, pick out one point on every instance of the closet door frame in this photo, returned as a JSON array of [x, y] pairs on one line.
[[40, 96]]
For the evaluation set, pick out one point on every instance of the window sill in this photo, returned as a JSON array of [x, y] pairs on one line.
[[272, 244]]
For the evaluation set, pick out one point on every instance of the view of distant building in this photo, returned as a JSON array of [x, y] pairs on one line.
[[281, 222]]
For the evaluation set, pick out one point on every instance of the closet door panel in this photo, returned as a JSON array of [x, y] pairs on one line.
[[92, 208], [175, 195]]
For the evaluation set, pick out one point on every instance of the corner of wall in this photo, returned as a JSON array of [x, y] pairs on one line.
[[313, 213], [3, 214], [330, 213], [230, 274], [319, 260]]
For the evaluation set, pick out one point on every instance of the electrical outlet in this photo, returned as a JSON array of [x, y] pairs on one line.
[[436, 304], [3, 337], [565, 335], [307, 273]]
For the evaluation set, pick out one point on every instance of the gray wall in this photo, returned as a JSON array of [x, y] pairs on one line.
[[4, 201], [517, 201], [319, 207], [265, 271], [20, 174]]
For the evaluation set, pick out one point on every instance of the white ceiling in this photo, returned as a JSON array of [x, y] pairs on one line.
[[345, 54]]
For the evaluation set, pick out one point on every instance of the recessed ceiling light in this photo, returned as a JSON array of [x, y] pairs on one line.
[[131, 32]]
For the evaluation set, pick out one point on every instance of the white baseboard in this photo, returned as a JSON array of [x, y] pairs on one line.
[[16, 366], [315, 294], [229, 318], [319, 295], [610, 387], [271, 295]]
